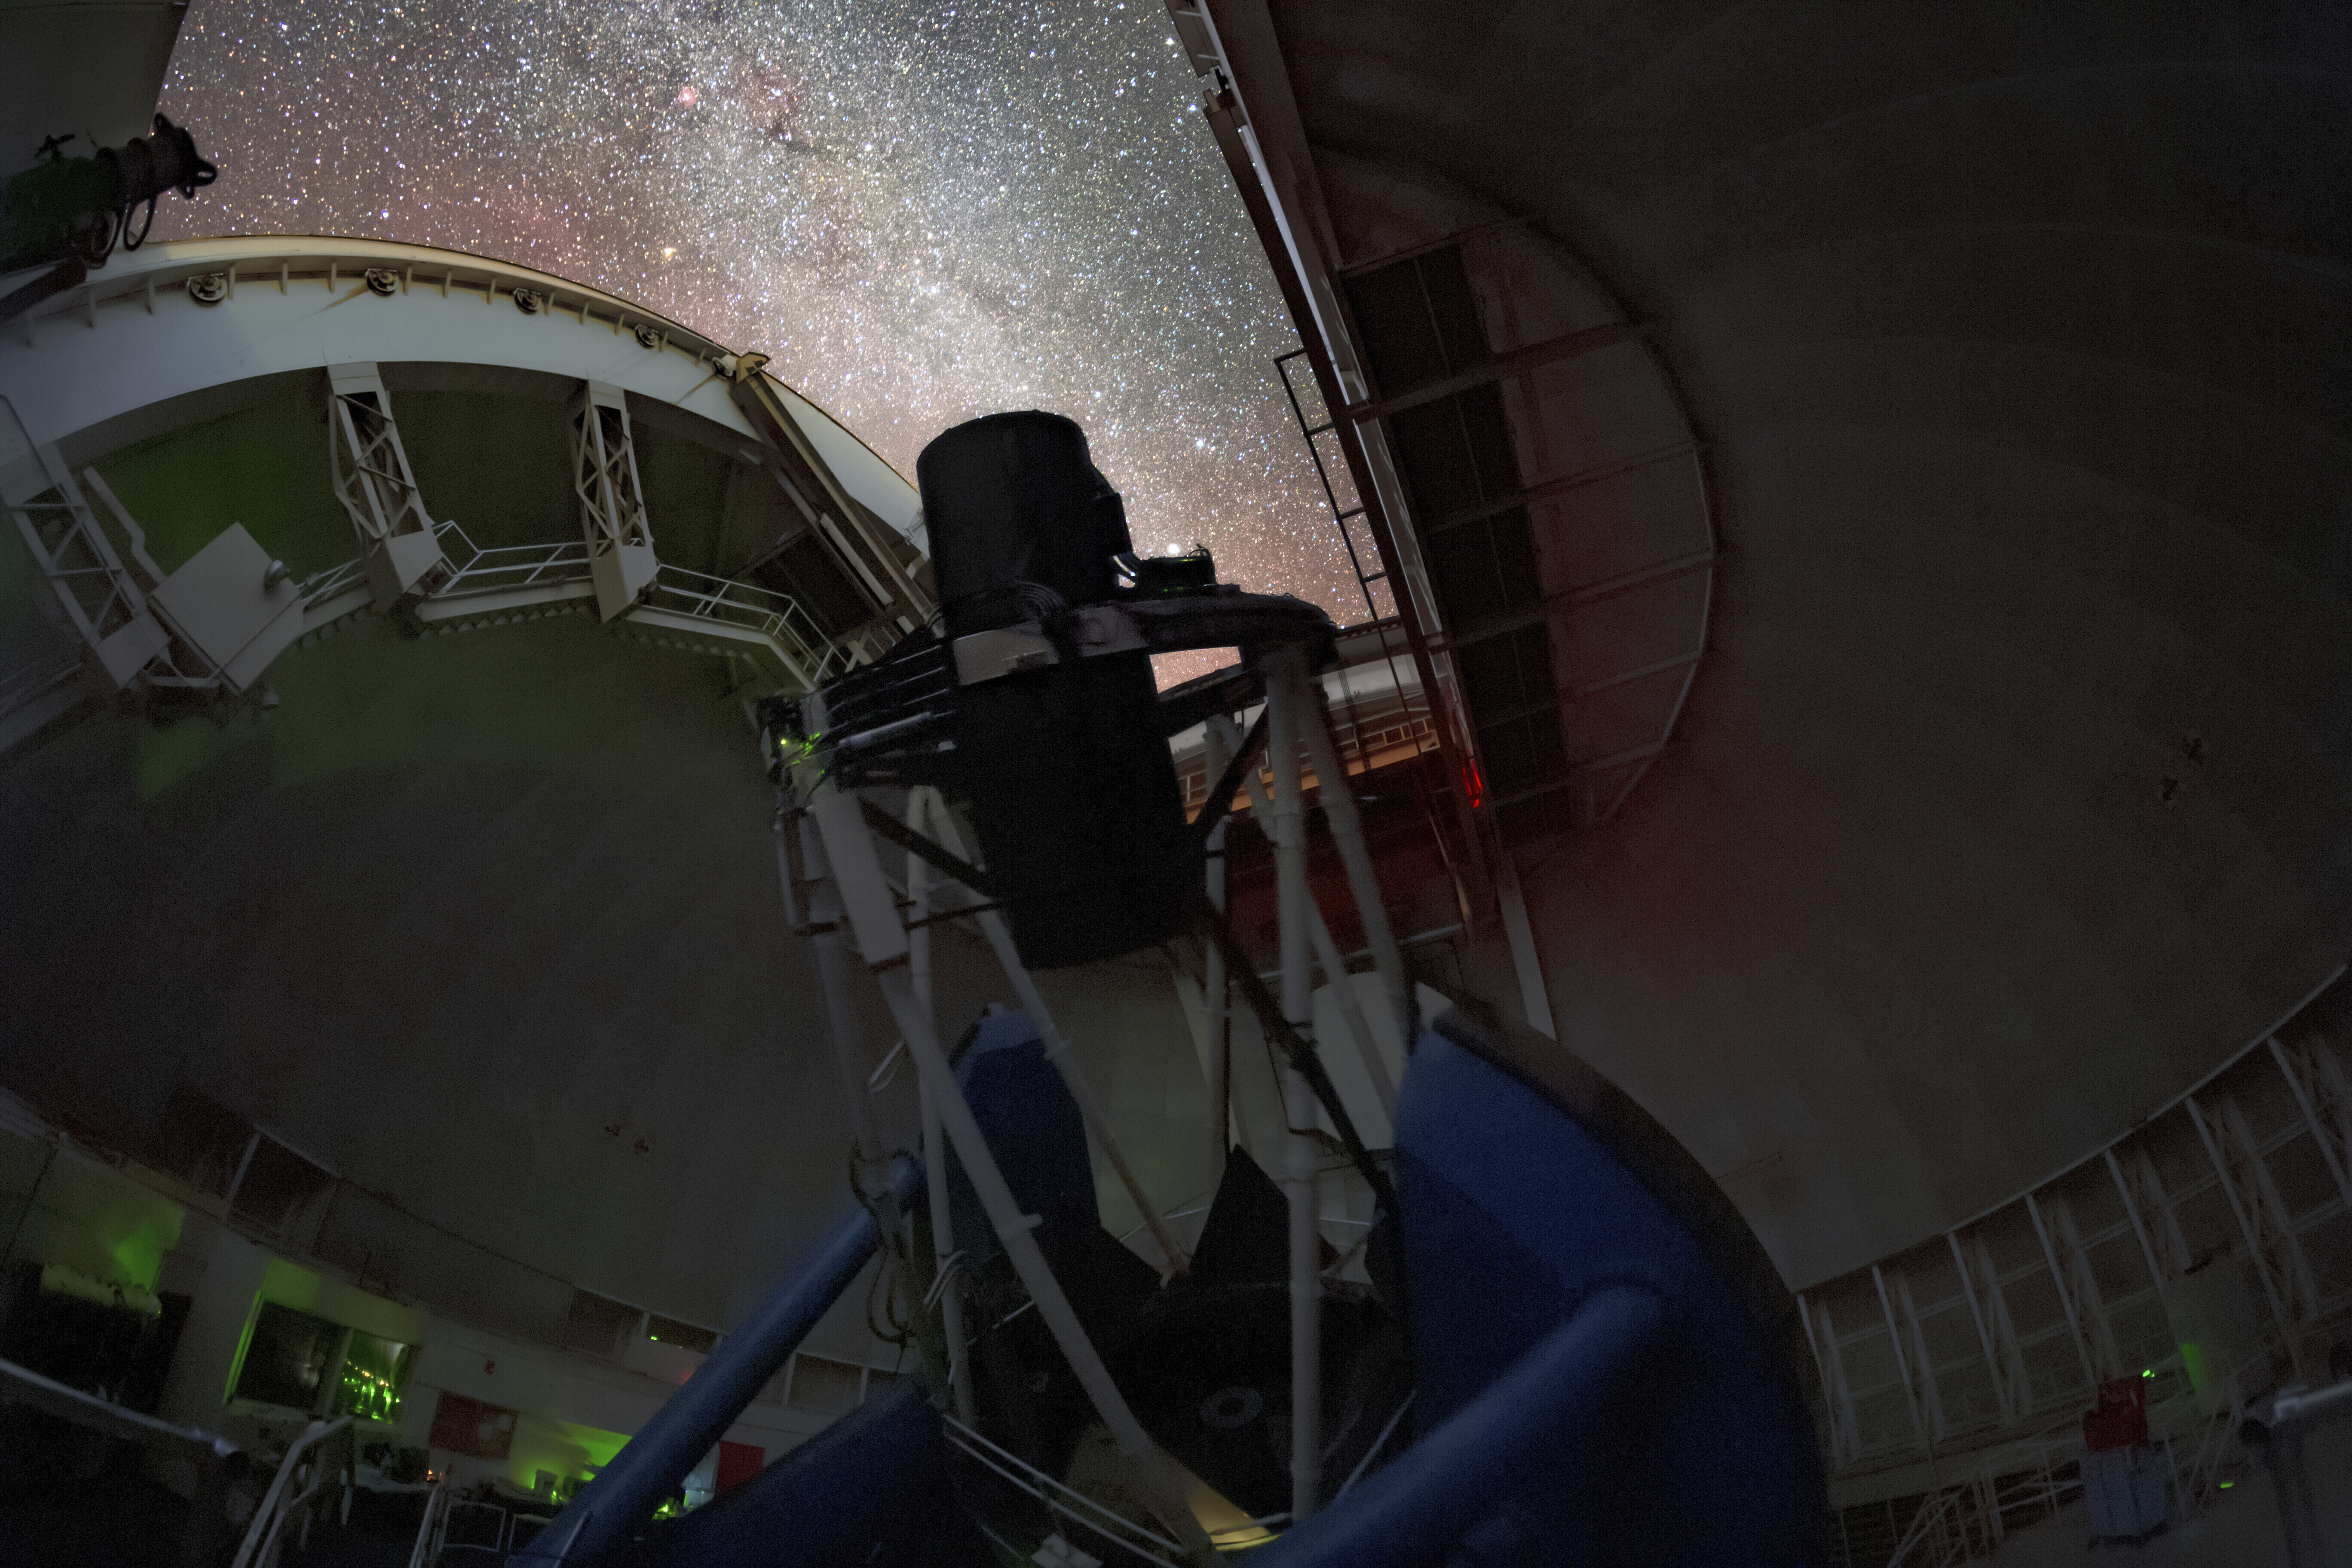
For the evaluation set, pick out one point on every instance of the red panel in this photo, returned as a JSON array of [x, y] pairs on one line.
[[738, 1463]]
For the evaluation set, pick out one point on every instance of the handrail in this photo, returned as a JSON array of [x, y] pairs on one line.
[[998, 1458], [262, 1532], [430, 1528], [2042, 1452], [22, 685], [211, 1453], [534, 563], [321, 586], [680, 589], [23, 1386]]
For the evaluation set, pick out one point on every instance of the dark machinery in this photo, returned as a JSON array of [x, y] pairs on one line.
[[1033, 707], [68, 214], [1570, 1349]]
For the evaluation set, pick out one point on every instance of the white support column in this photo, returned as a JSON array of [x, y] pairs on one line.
[[1058, 1051], [856, 874], [2058, 1282], [2324, 1096], [1930, 1397], [101, 598], [1902, 1362], [2254, 1200], [1326, 950], [1285, 669], [1829, 1414], [612, 502], [2297, 1286], [373, 481], [1846, 1421], [2004, 1332], [935, 1149], [1533, 995], [1994, 1369], [2157, 1270], [828, 935], [1339, 795], [2083, 1286], [1216, 992]]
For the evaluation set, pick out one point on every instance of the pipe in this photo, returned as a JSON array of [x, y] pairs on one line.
[[934, 1163], [1431, 1496], [606, 1515], [1284, 672], [1058, 1051]]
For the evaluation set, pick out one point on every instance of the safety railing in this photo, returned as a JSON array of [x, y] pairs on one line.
[[22, 686], [2029, 1477], [431, 1528], [1968, 1519], [697, 595], [210, 1455], [334, 581], [303, 1476], [777, 617], [506, 567], [1070, 1506]]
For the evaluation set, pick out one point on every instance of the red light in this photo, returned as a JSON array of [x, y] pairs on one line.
[[1474, 783]]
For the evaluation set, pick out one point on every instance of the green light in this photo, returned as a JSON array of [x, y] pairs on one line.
[[2147, 1372], [2227, 1485]]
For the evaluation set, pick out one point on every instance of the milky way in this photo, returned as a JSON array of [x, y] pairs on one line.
[[923, 213]]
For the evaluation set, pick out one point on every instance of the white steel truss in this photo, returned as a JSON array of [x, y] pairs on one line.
[[612, 501], [101, 599], [1931, 1397], [2205, 1162], [2071, 1269], [2003, 1367], [2149, 1209], [1837, 1393], [2322, 1091], [2262, 1218], [376, 486]]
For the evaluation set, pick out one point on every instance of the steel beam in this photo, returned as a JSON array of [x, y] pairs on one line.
[[2325, 1097], [378, 489], [1902, 1362], [2245, 1182], [100, 597], [1995, 1371], [2058, 1282], [612, 501]]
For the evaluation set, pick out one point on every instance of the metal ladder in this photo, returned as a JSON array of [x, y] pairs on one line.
[[1323, 472]]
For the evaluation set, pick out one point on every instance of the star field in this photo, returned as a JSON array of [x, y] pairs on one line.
[[923, 213]]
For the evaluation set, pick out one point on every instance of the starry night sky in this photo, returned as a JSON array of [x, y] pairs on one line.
[[924, 213]]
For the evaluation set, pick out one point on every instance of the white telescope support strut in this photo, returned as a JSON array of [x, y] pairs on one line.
[[1326, 952], [1057, 1050], [935, 1152], [825, 927], [1347, 831], [1217, 1000], [861, 887], [1285, 669]]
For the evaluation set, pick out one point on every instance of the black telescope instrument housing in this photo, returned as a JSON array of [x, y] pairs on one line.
[[1033, 707]]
